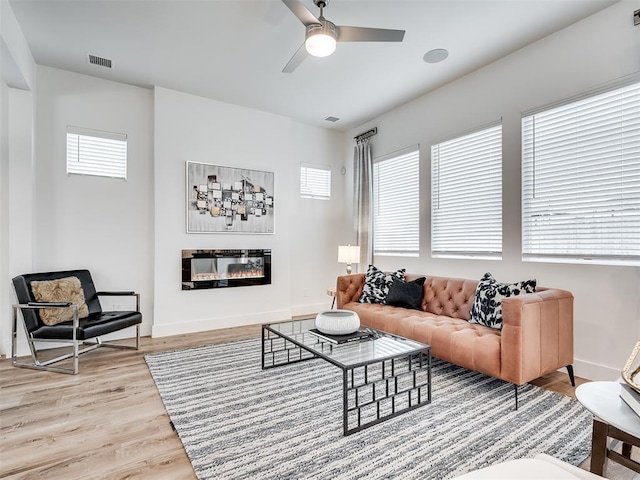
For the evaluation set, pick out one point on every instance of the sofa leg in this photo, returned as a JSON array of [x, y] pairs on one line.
[[571, 377], [515, 389]]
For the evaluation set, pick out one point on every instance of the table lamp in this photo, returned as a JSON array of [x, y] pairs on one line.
[[349, 254]]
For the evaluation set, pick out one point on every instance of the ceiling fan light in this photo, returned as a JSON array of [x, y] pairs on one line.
[[321, 39], [320, 45]]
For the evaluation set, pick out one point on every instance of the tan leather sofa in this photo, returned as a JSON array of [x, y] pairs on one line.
[[536, 338]]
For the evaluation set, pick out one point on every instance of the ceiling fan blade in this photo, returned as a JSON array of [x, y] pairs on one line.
[[296, 60], [300, 11], [364, 34]]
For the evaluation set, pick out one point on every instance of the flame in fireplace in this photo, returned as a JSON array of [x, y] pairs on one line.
[[253, 273]]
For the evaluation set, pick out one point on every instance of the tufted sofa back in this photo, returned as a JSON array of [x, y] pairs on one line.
[[451, 297]]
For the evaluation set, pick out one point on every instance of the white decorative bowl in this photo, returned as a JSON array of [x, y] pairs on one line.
[[337, 322]]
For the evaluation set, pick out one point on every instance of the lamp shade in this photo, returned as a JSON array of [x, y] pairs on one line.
[[349, 254]]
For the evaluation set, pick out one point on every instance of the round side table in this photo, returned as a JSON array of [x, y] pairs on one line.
[[613, 418], [331, 291]]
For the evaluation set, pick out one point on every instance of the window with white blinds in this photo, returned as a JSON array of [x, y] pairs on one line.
[[466, 190], [91, 152], [581, 180], [396, 204], [315, 181]]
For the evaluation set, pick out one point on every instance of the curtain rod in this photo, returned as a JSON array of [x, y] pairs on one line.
[[367, 134]]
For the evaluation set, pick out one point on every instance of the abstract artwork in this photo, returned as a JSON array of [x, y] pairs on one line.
[[226, 199]]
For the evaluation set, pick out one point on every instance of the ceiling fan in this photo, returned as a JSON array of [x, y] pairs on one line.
[[321, 35]]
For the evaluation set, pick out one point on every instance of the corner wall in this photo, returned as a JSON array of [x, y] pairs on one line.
[[597, 50], [192, 128], [83, 221], [17, 104], [5, 311]]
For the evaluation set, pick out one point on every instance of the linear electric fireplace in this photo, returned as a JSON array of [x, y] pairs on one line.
[[225, 268]]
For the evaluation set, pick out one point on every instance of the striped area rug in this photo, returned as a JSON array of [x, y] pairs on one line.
[[237, 421]]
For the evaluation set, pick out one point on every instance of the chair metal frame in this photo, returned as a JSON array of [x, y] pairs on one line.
[[75, 343]]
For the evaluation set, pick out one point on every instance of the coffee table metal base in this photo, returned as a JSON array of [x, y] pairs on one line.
[[372, 392], [377, 392]]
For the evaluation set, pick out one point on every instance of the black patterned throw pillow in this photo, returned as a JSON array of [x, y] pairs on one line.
[[406, 294], [487, 303], [377, 283]]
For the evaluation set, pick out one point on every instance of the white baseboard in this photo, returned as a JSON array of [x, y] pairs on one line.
[[594, 371], [207, 324], [5, 348]]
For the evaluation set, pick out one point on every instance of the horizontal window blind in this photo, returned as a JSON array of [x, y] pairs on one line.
[[91, 152], [396, 205], [466, 204], [581, 179], [315, 182]]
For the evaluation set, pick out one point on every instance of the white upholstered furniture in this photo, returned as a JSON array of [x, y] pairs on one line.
[[541, 467]]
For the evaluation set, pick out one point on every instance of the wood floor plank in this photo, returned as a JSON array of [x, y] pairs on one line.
[[108, 421]]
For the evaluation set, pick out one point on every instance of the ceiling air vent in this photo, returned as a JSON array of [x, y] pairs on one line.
[[99, 61], [332, 119]]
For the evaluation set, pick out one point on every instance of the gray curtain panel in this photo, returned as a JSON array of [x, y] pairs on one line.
[[363, 197]]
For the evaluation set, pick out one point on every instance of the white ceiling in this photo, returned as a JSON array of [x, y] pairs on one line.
[[234, 50]]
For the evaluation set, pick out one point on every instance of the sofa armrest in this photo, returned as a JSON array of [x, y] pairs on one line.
[[537, 334], [349, 288]]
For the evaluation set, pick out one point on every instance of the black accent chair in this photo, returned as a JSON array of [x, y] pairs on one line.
[[78, 330]]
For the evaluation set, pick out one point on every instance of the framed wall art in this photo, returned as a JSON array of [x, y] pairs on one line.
[[228, 200]]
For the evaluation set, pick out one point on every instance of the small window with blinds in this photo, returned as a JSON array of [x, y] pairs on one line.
[[466, 190], [396, 204], [581, 180], [315, 181], [93, 152]]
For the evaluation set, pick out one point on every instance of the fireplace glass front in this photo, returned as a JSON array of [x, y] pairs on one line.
[[225, 268]]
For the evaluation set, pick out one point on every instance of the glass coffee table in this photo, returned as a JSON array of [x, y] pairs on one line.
[[382, 376]]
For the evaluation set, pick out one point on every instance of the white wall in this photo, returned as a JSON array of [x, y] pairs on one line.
[[21, 200], [16, 62], [191, 128], [17, 85], [5, 311], [130, 233], [594, 51], [102, 224]]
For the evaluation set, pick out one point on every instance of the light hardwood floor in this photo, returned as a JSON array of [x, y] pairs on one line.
[[107, 422]]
